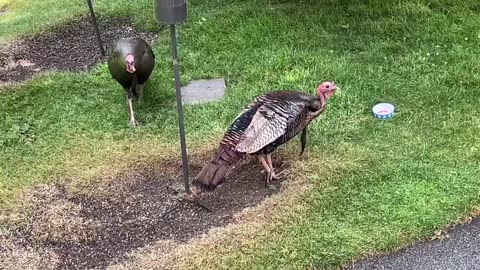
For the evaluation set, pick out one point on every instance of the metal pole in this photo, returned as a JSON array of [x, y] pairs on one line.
[[176, 72], [95, 26]]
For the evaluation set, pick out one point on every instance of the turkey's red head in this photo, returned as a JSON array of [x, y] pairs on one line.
[[325, 90], [129, 62]]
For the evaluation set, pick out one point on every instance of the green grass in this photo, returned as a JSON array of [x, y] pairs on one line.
[[23, 16], [403, 178]]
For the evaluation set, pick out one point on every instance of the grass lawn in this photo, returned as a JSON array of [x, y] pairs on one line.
[[368, 186]]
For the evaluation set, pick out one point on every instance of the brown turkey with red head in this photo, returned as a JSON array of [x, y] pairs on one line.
[[268, 122]]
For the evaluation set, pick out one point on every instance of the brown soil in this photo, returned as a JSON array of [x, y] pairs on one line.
[[115, 217], [71, 47]]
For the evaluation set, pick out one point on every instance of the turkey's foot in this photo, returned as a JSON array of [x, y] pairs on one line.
[[133, 123], [272, 176], [194, 198], [280, 175]]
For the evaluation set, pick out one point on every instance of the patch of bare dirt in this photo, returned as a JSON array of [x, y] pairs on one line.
[[98, 226], [71, 47]]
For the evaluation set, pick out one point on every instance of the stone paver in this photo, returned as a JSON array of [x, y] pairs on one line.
[[202, 91]]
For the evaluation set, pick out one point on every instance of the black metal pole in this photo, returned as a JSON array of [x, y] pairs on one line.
[[95, 26], [176, 72]]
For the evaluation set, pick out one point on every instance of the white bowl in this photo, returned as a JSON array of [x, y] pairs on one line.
[[383, 110]]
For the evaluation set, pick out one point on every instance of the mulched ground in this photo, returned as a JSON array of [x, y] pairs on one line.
[[71, 47], [132, 212]]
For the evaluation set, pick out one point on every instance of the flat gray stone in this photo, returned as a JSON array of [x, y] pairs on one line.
[[203, 91]]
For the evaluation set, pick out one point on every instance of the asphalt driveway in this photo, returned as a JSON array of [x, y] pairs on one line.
[[460, 251]]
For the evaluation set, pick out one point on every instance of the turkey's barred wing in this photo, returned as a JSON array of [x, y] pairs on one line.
[[238, 126], [269, 123]]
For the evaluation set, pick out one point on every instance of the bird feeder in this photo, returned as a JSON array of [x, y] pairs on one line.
[[172, 12]]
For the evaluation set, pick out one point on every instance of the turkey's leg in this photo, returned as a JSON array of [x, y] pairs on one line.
[[131, 115], [140, 92], [270, 165], [264, 162]]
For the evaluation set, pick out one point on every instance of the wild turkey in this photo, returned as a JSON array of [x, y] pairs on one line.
[[131, 63], [268, 122]]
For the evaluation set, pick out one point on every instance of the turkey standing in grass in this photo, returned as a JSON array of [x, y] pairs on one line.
[[268, 122], [131, 63]]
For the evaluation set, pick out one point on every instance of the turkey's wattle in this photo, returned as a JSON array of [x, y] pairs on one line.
[[268, 122], [131, 63]]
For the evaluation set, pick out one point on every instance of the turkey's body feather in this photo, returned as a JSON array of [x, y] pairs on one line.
[[271, 120], [144, 61]]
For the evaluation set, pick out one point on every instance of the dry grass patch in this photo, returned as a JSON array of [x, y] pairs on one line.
[[48, 215], [62, 221], [16, 257]]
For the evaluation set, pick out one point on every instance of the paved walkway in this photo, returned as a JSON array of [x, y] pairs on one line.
[[461, 251]]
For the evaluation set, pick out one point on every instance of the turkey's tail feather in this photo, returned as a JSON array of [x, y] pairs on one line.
[[215, 171]]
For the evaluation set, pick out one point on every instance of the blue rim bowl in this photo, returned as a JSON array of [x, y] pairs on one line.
[[383, 111]]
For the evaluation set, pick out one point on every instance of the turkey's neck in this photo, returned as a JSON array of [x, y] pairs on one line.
[[323, 99]]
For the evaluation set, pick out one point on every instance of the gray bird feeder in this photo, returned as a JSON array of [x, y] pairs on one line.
[[172, 12]]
